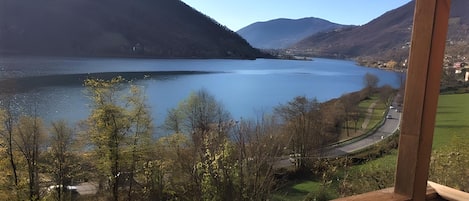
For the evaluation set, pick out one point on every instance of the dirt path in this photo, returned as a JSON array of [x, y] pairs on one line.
[[369, 114], [361, 130]]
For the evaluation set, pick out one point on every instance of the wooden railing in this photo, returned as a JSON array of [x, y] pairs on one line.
[[434, 192], [448, 193], [420, 102]]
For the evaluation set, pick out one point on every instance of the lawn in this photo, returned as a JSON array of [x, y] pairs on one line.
[[452, 121], [378, 114], [298, 190], [378, 111]]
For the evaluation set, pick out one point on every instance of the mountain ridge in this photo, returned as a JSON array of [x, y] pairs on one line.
[[282, 32], [139, 28], [386, 38], [393, 26]]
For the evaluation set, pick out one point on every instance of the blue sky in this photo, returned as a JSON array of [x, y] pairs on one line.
[[236, 14]]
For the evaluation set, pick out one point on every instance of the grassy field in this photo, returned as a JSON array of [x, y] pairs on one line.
[[377, 115], [452, 121], [378, 111], [296, 190]]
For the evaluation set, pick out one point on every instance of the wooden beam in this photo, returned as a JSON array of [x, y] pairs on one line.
[[421, 97], [449, 193], [388, 194], [383, 194]]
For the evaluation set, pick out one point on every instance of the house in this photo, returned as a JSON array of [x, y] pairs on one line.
[[463, 69], [138, 49]]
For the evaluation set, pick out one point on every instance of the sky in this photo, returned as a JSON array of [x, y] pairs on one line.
[[236, 14]]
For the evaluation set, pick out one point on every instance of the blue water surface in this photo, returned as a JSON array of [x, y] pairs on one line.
[[247, 88]]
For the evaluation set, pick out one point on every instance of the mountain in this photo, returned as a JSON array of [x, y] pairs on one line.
[[386, 37], [121, 28], [281, 33], [389, 31]]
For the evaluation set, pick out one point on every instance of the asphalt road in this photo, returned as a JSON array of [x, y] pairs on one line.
[[387, 129]]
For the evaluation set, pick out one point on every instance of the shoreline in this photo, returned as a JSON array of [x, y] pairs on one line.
[[28, 83]]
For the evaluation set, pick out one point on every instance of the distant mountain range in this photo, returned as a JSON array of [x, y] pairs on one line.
[[386, 37], [121, 28], [282, 33], [388, 32]]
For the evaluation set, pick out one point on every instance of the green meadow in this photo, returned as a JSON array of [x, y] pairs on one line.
[[452, 123], [452, 120]]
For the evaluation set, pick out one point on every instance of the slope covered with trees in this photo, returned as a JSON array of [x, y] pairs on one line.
[[387, 32], [282, 33], [387, 38], [163, 28]]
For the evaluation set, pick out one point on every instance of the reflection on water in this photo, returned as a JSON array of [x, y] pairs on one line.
[[244, 87]]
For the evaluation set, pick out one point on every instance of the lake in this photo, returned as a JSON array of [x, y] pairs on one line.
[[246, 88]]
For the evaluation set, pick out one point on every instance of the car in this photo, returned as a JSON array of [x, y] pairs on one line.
[[391, 107], [388, 116]]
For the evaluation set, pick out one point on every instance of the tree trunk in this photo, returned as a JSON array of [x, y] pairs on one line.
[[11, 155]]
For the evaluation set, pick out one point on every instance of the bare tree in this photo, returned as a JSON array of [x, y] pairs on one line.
[[386, 93], [202, 113], [29, 138], [258, 145], [371, 82], [351, 112], [173, 120], [302, 119], [8, 118], [61, 162], [208, 125], [141, 130]]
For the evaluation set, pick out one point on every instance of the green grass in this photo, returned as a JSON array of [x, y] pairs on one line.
[[378, 112], [388, 160], [298, 190], [452, 121], [376, 117], [364, 105]]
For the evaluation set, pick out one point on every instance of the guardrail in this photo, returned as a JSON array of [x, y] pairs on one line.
[[358, 138]]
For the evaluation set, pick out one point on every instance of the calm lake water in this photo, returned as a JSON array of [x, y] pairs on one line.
[[246, 88]]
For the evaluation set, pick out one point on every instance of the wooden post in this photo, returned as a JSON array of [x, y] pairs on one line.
[[421, 97]]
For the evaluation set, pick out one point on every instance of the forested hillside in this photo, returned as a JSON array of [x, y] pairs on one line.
[[388, 32], [282, 33], [162, 29], [387, 38]]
